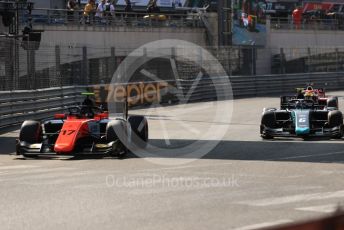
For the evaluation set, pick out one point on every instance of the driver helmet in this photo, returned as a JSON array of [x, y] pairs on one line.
[[299, 105], [88, 102], [309, 92]]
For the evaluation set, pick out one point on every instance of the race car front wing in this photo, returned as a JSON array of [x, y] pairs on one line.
[[320, 132], [25, 148]]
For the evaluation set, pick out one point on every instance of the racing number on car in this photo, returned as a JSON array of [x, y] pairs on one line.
[[68, 132], [302, 120]]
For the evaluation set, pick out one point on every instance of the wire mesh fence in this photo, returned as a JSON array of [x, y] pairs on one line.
[[45, 16], [67, 65]]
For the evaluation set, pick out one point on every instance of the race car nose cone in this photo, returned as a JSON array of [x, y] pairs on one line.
[[68, 136], [63, 148], [302, 131]]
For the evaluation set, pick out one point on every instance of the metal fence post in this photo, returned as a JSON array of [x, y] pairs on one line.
[[200, 58], [9, 73], [282, 61], [31, 67], [230, 51], [309, 68], [337, 60], [113, 64], [58, 65], [58, 76], [239, 58], [84, 66], [254, 66], [145, 56], [16, 65]]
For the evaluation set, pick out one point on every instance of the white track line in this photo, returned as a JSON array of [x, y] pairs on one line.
[[18, 167], [329, 208], [311, 155], [294, 198], [264, 225], [184, 167]]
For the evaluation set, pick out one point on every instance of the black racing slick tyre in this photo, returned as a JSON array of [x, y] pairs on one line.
[[30, 132], [116, 131], [335, 119], [139, 127], [332, 102], [268, 120], [264, 135]]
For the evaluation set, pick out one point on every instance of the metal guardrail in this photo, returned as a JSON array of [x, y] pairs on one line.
[[284, 84], [17, 106], [46, 16], [256, 86], [306, 24]]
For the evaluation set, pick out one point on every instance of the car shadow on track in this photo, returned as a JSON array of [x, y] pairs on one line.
[[7, 145], [312, 150], [283, 149]]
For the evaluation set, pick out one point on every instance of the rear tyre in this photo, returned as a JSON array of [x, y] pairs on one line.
[[112, 128], [332, 102], [30, 132], [335, 119], [139, 127]]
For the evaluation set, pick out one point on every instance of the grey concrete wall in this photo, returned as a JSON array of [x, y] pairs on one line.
[[306, 38], [118, 37], [99, 41], [321, 41], [296, 44]]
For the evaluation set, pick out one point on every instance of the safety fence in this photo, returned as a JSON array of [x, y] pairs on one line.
[[62, 65], [17, 106], [307, 23], [256, 86], [284, 84], [45, 16]]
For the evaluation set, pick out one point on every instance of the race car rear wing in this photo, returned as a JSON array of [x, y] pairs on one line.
[[285, 102]]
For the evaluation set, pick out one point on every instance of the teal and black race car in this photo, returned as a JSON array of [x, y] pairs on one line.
[[301, 118]]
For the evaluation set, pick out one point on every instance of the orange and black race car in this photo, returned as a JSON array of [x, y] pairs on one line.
[[84, 129], [318, 96]]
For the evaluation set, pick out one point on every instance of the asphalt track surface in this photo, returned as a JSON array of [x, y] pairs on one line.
[[242, 183]]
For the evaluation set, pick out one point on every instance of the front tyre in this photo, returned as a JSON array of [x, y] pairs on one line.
[[264, 135], [268, 120], [31, 133]]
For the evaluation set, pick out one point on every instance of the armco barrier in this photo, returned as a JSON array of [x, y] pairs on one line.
[[17, 106], [253, 86]]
